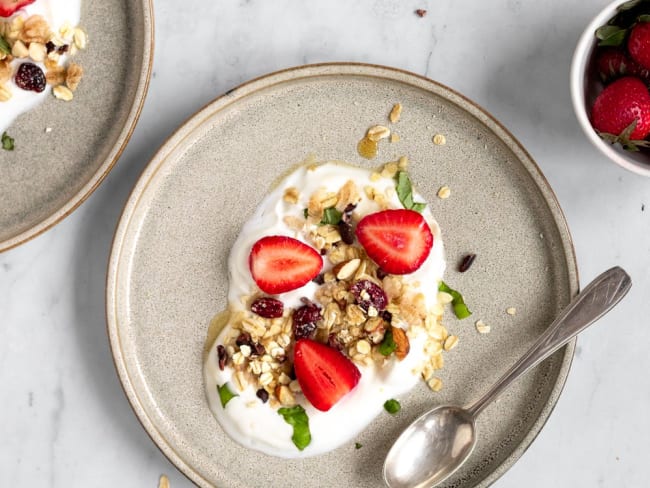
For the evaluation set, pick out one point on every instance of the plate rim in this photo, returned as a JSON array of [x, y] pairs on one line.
[[248, 88], [116, 151]]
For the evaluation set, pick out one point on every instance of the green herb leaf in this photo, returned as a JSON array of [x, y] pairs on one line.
[[387, 346], [404, 190], [392, 406], [297, 417], [458, 303], [7, 142], [610, 35], [4, 46], [331, 216], [225, 395], [358, 445], [305, 212]]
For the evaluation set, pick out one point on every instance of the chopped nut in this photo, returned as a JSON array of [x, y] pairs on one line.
[[19, 50], [511, 311], [395, 113], [378, 132], [5, 71], [450, 342], [444, 192], [363, 347], [346, 269], [439, 140], [62, 93], [73, 76], [37, 51], [401, 341], [291, 195], [284, 395], [35, 29], [435, 384], [482, 327], [55, 76], [389, 170]]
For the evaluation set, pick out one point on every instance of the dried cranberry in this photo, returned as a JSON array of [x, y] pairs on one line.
[[304, 320], [267, 307], [63, 49], [347, 233], [334, 342], [367, 293], [319, 279], [222, 355], [466, 263], [30, 77], [387, 316], [50, 46], [263, 395]]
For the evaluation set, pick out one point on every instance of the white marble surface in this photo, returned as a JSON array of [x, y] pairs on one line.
[[64, 419]]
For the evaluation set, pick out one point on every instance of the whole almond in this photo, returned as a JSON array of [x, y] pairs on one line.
[[401, 341]]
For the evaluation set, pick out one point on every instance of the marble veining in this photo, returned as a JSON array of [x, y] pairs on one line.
[[65, 421]]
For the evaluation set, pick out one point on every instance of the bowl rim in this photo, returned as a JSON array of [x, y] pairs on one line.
[[578, 64]]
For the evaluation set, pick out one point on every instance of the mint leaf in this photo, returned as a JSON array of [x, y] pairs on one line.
[[387, 346], [4, 46], [358, 445], [392, 406], [331, 216], [7, 142], [225, 395], [458, 303], [404, 190], [297, 417], [610, 35]]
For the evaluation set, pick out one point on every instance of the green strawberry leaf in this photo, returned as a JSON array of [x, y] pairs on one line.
[[610, 35], [628, 5], [643, 18]]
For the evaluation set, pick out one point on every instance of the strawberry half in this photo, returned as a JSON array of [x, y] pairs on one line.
[[397, 240], [280, 263], [8, 7], [325, 375]]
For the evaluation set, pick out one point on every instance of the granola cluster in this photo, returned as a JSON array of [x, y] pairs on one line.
[[33, 40], [371, 316]]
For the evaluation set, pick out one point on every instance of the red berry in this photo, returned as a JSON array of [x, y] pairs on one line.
[[8, 7], [613, 63], [325, 375], [638, 44], [279, 264], [304, 320], [30, 77], [267, 307], [397, 240], [367, 293], [619, 105]]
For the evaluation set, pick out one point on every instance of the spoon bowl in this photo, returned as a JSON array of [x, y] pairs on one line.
[[439, 442], [431, 448]]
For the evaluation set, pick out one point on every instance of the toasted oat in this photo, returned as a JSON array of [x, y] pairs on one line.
[[435, 384], [5, 93], [80, 38], [35, 29], [163, 482], [444, 192], [291, 195], [55, 76], [450, 343], [395, 113], [5, 71], [73, 76], [402, 162], [439, 140], [377, 133], [511, 311], [389, 170]]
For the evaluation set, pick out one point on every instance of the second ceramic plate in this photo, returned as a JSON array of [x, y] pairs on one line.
[[167, 275]]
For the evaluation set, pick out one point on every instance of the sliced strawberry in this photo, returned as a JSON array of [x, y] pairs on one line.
[[325, 375], [8, 7], [397, 240], [280, 263]]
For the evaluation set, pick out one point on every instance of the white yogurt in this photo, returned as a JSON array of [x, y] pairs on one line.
[[257, 425], [56, 13]]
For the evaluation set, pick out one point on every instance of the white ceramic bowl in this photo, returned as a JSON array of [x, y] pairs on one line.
[[585, 86]]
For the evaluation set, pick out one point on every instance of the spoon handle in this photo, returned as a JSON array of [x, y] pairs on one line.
[[588, 306]]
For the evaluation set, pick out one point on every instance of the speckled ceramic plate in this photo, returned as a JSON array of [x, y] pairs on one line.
[[167, 275], [50, 174]]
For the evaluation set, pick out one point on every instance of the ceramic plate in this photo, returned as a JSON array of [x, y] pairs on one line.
[[49, 174], [167, 275]]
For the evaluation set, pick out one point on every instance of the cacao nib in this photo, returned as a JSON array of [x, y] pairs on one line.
[[263, 395], [222, 355], [466, 263]]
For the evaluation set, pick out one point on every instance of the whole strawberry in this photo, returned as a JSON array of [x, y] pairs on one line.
[[638, 44], [621, 112], [613, 63]]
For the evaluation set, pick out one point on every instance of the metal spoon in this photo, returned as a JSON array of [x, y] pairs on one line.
[[439, 442]]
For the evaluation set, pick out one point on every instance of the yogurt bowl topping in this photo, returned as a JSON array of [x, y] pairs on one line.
[[333, 310], [36, 45]]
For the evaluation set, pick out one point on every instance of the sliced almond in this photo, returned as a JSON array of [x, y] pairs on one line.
[[163, 482], [402, 341], [346, 269], [377, 133], [395, 113]]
